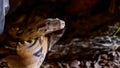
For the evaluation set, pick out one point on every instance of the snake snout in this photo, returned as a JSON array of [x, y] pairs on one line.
[[62, 24]]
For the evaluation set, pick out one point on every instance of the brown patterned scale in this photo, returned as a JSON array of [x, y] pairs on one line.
[[33, 42]]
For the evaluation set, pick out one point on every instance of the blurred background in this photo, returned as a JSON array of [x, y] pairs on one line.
[[85, 19], [82, 17]]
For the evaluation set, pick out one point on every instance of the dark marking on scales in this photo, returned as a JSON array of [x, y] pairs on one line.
[[38, 53]]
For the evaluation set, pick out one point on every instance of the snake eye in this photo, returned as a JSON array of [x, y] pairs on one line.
[[14, 28]]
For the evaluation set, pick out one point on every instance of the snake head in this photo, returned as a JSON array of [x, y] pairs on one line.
[[54, 25], [34, 28]]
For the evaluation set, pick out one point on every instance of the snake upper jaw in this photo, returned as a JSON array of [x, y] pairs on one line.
[[54, 25]]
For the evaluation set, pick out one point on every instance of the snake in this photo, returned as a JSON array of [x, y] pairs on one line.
[[27, 42]]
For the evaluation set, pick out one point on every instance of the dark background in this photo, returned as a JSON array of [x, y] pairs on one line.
[[83, 17]]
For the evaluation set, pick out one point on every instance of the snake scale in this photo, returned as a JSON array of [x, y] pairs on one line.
[[26, 43]]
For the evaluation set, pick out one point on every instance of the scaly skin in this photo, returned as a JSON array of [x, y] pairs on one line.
[[28, 31], [33, 42]]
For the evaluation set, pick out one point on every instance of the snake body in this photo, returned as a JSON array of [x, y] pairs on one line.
[[28, 44]]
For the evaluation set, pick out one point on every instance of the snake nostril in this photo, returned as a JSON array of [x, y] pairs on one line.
[[48, 23], [45, 29]]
